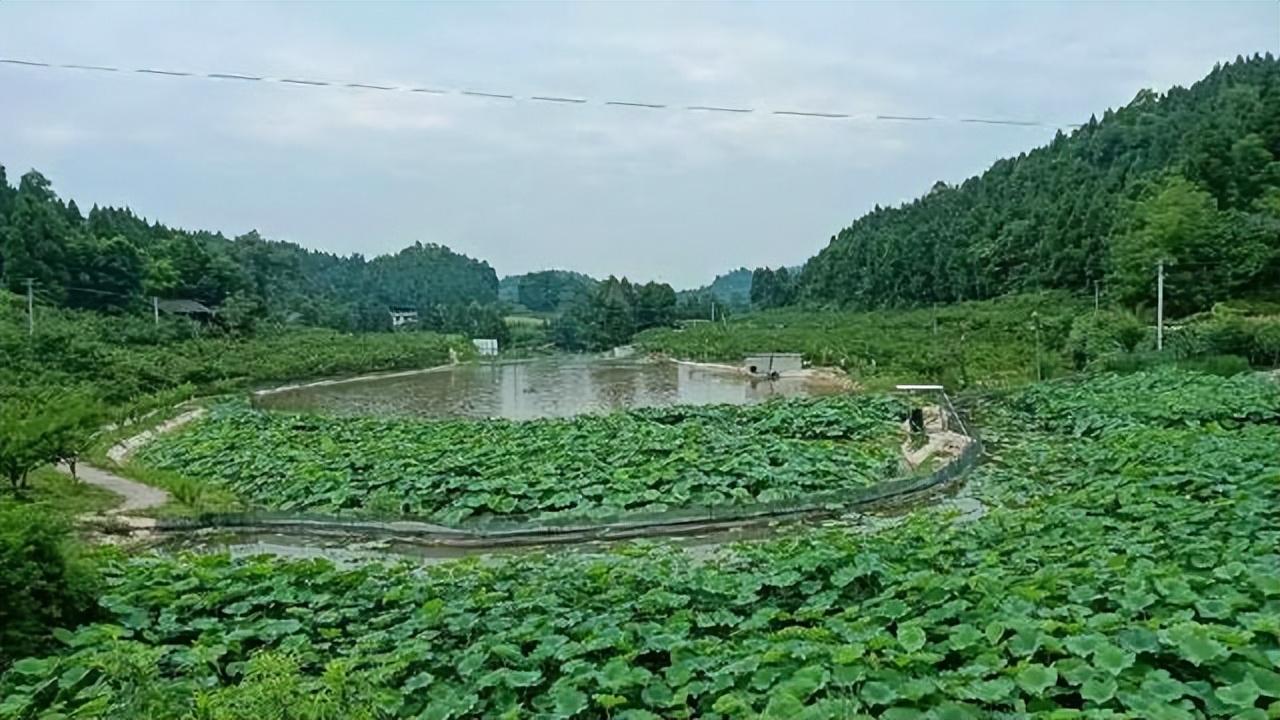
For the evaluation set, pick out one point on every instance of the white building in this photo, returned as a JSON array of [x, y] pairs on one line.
[[401, 316]]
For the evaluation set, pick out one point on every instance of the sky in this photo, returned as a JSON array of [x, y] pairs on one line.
[[667, 194]]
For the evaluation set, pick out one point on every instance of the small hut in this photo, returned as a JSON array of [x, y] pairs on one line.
[[187, 308], [402, 315]]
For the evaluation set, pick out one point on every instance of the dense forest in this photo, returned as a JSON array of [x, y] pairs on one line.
[[608, 313], [549, 291], [1190, 177], [110, 259]]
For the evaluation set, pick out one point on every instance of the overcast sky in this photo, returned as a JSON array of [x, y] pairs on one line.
[[668, 194]]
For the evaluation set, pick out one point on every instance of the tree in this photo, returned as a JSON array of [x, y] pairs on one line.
[[34, 241], [73, 423], [104, 274], [1049, 218], [772, 288], [1207, 254], [240, 312], [25, 439], [655, 305], [1097, 334]]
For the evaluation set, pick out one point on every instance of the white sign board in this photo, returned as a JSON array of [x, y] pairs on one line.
[[486, 346]]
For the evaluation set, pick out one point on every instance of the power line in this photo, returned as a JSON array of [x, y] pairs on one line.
[[96, 291], [820, 114]]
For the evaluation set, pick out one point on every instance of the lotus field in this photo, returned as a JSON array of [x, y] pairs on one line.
[[1131, 572], [645, 460]]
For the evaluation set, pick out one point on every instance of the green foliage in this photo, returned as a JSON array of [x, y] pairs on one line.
[[43, 582], [646, 461], [550, 290], [1164, 398], [121, 360], [1119, 574], [730, 292], [1223, 365], [1229, 333], [611, 312], [1208, 255], [114, 261], [1105, 332], [981, 343], [772, 288], [40, 427], [1192, 175]]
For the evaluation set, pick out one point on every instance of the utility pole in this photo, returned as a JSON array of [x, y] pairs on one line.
[[1160, 305], [31, 307], [1095, 296], [713, 311], [155, 308], [1035, 319]]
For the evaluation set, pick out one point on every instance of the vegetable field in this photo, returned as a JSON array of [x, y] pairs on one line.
[[641, 461], [1122, 574], [991, 343]]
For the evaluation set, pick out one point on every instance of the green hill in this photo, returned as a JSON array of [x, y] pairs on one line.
[[1191, 176], [112, 259]]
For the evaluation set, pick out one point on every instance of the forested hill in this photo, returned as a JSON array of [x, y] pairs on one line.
[[1191, 176], [111, 259]]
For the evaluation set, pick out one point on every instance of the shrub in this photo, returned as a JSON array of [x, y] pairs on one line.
[[1256, 339], [1106, 332], [44, 583], [1222, 365]]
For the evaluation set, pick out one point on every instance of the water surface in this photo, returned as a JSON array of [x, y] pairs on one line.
[[557, 386]]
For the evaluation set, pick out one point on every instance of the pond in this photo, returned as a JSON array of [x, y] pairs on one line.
[[555, 386]]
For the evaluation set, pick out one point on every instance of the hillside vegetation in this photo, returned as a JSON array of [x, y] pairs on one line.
[[112, 260], [639, 461], [1191, 176], [987, 343], [118, 359], [1120, 574]]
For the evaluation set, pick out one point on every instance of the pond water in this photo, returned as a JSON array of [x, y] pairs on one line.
[[556, 386]]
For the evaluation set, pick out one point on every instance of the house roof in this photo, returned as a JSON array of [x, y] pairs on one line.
[[185, 307]]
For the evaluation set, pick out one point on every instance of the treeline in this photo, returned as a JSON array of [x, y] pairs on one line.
[[1190, 177], [112, 260], [728, 294], [610, 312]]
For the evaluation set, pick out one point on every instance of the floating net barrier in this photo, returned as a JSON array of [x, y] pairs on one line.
[[674, 521]]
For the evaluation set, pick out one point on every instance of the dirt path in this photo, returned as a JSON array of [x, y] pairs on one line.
[[135, 495], [123, 449]]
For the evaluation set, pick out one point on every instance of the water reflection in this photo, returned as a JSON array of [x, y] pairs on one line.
[[557, 386]]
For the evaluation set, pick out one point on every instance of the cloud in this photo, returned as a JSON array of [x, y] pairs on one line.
[[605, 189]]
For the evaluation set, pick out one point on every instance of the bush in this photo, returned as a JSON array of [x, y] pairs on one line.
[[1222, 365], [1105, 332], [44, 583], [1257, 339]]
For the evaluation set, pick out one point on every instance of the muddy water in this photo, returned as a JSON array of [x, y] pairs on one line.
[[557, 386]]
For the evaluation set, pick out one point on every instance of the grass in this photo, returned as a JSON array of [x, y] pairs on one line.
[[993, 343], [188, 498], [53, 491]]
